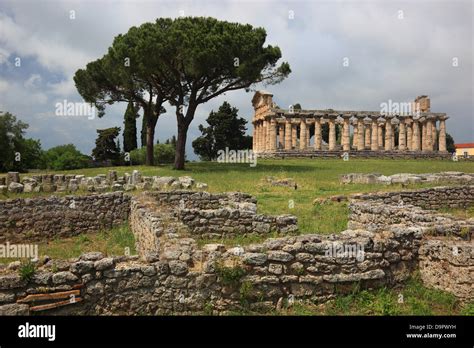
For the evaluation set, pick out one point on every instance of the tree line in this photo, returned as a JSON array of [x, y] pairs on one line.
[[18, 153], [225, 129]]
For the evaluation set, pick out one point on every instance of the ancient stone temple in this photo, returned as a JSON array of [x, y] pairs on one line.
[[416, 132]]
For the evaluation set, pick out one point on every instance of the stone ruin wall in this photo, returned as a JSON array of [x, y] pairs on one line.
[[429, 198], [189, 280], [46, 218], [200, 215], [172, 274], [448, 265], [452, 178], [12, 183], [446, 255]]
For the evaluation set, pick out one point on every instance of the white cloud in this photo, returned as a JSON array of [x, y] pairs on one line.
[[33, 81]]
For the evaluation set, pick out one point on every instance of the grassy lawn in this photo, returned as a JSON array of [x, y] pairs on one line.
[[463, 213], [315, 178], [112, 242]]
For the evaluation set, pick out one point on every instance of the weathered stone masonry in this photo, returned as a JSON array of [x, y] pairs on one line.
[[446, 255], [188, 280], [172, 274], [46, 218], [458, 178], [99, 183]]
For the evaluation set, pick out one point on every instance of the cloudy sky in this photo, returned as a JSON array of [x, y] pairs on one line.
[[396, 50]]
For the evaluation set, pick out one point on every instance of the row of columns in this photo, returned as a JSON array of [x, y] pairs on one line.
[[414, 134]]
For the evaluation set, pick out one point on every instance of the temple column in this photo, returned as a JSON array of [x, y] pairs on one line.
[[380, 135], [303, 134], [259, 135], [367, 135], [317, 133], [264, 135], [423, 135], [267, 135], [287, 134], [294, 135], [281, 136], [346, 133], [393, 138], [434, 135], [308, 135], [354, 135], [272, 135], [401, 136], [332, 133], [429, 134], [388, 133], [360, 133], [374, 139], [254, 136], [442, 134], [409, 130], [416, 135]]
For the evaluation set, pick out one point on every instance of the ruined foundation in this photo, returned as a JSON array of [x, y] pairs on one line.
[[172, 274]]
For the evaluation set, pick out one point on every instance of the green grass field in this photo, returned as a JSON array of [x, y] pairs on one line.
[[113, 242]]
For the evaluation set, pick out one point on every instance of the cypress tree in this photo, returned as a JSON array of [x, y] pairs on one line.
[[130, 129]]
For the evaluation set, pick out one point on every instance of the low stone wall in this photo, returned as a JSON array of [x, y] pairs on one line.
[[378, 216], [228, 222], [174, 275], [448, 265], [429, 198], [446, 255], [222, 215], [147, 227], [46, 218], [99, 183], [204, 200], [407, 178], [189, 280]]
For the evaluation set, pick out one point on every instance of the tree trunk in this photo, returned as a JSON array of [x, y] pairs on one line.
[[150, 138], [183, 125], [143, 131], [181, 146], [150, 134]]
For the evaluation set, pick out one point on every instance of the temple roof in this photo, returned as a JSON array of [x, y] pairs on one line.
[[258, 95]]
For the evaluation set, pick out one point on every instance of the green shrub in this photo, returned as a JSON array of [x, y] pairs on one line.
[[27, 270], [65, 157], [468, 309], [162, 154], [245, 291], [137, 156], [230, 275]]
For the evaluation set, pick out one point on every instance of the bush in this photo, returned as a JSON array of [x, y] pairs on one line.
[[27, 270], [230, 275], [65, 157], [17, 152], [137, 156], [162, 153]]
